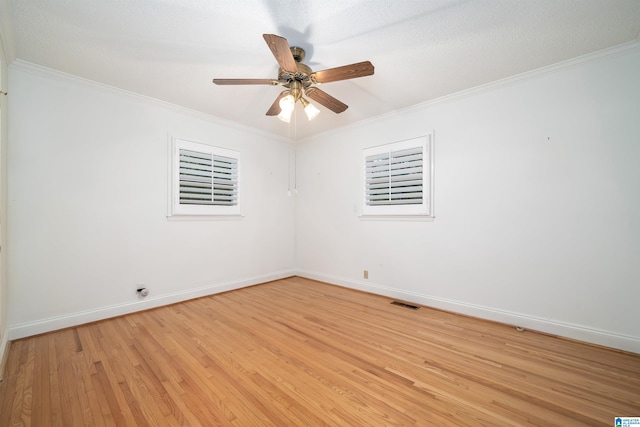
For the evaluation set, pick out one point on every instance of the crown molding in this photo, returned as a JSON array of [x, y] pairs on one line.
[[50, 73], [623, 49], [593, 57]]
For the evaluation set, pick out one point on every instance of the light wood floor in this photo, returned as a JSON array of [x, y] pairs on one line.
[[301, 353]]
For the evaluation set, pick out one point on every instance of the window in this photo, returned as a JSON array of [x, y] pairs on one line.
[[204, 180], [398, 178]]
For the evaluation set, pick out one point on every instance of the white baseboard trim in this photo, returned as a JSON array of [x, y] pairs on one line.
[[27, 329], [563, 329]]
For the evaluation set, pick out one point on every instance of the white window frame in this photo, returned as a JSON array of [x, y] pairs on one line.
[[423, 210], [200, 211]]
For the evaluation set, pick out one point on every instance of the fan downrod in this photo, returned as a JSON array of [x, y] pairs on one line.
[[298, 53]]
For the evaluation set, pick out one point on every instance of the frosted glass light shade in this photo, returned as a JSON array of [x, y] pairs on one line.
[[311, 111], [287, 103], [285, 115]]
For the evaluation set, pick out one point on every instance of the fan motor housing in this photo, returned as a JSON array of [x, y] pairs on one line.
[[303, 73]]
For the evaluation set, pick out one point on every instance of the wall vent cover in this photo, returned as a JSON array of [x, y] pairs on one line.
[[405, 305]]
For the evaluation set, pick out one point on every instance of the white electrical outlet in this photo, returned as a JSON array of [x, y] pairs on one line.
[[366, 274]]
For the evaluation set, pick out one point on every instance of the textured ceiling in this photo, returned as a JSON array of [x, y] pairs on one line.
[[421, 50]]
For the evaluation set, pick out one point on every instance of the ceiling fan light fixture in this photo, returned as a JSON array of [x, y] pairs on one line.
[[287, 103], [309, 109], [299, 78]]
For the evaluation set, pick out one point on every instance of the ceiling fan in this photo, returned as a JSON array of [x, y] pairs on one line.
[[298, 78]]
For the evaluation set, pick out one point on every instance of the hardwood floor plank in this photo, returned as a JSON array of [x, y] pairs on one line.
[[10, 390], [41, 383], [55, 415], [300, 352], [26, 408], [110, 407]]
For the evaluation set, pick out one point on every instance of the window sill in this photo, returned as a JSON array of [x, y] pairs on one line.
[[204, 217], [419, 218]]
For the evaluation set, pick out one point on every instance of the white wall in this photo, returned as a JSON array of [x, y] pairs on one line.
[[4, 324], [88, 185], [536, 205], [536, 200]]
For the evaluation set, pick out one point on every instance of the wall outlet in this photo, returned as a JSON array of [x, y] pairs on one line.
[[365, 274]]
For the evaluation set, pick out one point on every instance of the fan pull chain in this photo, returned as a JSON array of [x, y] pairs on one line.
[[295, 153], [289, 191], [289, 172]]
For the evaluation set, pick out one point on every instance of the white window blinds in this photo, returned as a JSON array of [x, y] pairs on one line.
[[208, 179], [398, 178], [395, 177], [205, 180]]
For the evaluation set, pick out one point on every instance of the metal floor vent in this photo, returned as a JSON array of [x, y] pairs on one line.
[[405, 305]]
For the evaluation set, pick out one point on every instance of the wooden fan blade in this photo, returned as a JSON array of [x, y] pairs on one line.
[[275, 109], [327, 100], [269, 82], [280, 49], [345, 72]]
